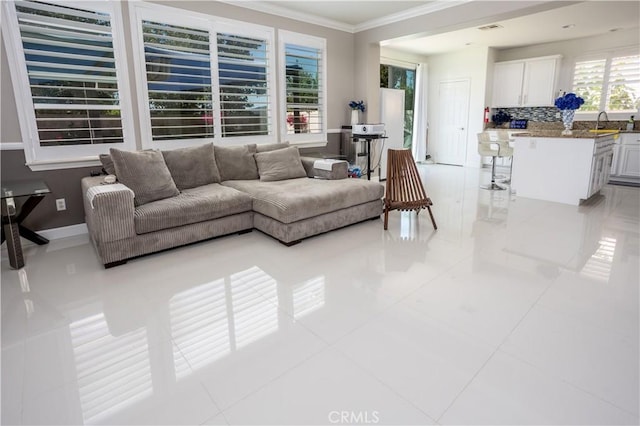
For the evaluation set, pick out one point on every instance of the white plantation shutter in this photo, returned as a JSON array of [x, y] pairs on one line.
[[205, 78], [610, 82], [244, 85], [71, 67], [178, 70], [588, 82], [304, 100], [304, 85], [623, 93]]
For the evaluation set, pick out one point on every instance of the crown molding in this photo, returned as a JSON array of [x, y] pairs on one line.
[[425, 9], [285, 12]]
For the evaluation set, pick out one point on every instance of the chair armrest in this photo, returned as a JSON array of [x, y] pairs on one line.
[[108, 209], [325, 169]]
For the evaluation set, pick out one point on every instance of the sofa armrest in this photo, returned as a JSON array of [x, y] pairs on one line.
[[108, 209], [325, 169]]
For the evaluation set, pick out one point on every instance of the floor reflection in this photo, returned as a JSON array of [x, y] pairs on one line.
[[113, 372]]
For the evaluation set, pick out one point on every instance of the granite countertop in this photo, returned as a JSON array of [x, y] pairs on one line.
[[577, 134], [581, 129]]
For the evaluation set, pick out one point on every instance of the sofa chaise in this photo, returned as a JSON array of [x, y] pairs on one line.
[[166, 199]]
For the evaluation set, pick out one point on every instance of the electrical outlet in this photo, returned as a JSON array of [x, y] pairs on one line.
[[532, 144], [557, 115], [61, 204]]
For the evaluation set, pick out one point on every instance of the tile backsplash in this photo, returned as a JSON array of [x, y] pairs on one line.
[[537, 114], [545, 118]]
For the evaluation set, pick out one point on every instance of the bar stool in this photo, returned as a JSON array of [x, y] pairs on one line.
[[506, 150], [489, 148]]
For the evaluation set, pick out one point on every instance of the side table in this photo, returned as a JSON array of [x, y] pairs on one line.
[[12, 228]]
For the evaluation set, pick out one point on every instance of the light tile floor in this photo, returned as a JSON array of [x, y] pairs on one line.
[[516, 311]]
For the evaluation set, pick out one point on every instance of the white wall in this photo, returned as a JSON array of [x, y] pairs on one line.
[[471, 63]]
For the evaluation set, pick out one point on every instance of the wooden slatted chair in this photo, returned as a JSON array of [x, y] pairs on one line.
[[404, 189]]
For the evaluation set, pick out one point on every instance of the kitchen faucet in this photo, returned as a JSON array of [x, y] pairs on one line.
[[598, 119]]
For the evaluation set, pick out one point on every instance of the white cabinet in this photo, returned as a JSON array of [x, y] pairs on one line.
[[529, 82], [507, 84], [626, 163], [629, 164], [564, 170]]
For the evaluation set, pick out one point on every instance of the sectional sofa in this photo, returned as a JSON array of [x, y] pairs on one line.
[[165, 199]]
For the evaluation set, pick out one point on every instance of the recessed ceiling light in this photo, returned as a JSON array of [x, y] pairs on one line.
[[566, 27], [468, 44]]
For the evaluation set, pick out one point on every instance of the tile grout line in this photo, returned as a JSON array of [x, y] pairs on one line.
[[494, 352]]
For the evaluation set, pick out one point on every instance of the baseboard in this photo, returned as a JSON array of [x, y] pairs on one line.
[[64, 231]]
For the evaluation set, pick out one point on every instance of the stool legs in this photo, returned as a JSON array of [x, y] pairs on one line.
[[493, 186]]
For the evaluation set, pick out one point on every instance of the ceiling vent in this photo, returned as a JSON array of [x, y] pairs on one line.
[[490, 27]]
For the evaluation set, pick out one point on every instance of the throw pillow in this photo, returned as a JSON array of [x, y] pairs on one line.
[[236, 162], [280, 164], [266, 147], [193, 166], [107, 164], [145, 173]]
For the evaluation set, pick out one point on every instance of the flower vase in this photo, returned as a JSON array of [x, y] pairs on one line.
[[355, 117], [567, 121]]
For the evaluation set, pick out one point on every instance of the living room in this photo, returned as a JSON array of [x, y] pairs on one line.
[[513, 311]]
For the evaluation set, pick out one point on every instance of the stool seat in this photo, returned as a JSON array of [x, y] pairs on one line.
[[493, 149]]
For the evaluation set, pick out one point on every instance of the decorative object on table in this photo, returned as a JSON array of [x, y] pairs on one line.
[[518, 124], [356, 107], [568, 104], [354, 172], [404, 190], [500, 118]]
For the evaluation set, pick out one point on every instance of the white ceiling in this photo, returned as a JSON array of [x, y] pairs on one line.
[[584, 19], [588, 17]]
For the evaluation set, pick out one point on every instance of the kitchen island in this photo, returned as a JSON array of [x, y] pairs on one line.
[[564, 169]]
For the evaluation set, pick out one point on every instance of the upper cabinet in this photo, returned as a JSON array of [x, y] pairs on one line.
[[525, 83]]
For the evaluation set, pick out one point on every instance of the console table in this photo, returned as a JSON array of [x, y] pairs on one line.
[[12, 228], [368, 139]]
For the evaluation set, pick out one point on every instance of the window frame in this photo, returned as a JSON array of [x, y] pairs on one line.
[[307, 139], [140, 11], [607, 56], [64, 156]]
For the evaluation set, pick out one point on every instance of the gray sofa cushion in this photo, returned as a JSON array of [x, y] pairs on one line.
[[192, 166], [292, 200], [107, 164], [266, 147], [236, 162], [280, 164], [145, 173], [191, 206]]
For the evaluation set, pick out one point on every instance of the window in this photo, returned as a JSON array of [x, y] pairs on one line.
[[204, 78], [178, 68], [304, 84], [610, 83], [65, 62]]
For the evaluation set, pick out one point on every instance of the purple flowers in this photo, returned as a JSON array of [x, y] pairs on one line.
[[569, 101], [357, 105]]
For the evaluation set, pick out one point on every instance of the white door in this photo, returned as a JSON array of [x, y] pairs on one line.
[[454, 117], [392, 115]]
